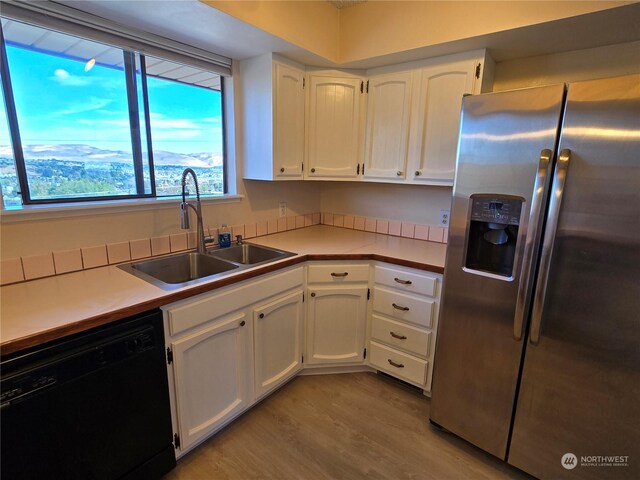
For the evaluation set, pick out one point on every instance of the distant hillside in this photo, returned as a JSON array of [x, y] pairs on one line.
[[86, 153]]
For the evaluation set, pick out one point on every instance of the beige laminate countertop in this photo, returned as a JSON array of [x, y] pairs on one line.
[[35, 312]]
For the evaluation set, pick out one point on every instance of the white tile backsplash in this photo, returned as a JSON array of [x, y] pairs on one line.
[[11, 271], [141, 248], [118, 252], [95, 256], [160, 245], [69, 260], [38, 266], [178, 242]]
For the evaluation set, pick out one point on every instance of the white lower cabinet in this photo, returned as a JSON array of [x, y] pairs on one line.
[[211, 354], [231, 347], [277, 331], [212, 376], [336, 324], [336, 313], [404, 322]]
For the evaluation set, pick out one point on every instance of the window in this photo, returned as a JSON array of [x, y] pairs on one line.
[[88, 121]]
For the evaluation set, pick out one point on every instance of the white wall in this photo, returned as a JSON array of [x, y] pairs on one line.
[[588, 64], [410, 203]]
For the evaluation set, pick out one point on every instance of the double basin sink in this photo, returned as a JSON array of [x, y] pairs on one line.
[[175, 271]]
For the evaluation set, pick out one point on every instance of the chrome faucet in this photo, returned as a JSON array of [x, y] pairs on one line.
[[184, 210]]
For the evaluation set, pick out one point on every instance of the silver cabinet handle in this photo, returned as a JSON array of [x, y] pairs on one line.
[[400, 307], [392, 363], [533, 239], [339, 275], [403, 282], [557, 190], [399, 337]]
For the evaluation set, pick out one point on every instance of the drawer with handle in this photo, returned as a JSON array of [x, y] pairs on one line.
[[422, 283], [398, 364], [403, 307], [411, 339], [338, 273]]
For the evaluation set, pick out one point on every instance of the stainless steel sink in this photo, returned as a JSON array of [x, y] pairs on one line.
[[248, 254], [183, 269], [179, 270]]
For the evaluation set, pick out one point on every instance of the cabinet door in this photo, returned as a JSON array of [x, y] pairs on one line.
[[288, 122], [434, 138], [388, 113], [212, 372], [336, 320], [277, 341], [333, 127]]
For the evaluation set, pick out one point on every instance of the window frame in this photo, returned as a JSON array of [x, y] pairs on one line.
[[139, 163]]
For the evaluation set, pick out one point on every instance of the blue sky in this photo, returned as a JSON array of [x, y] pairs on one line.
[[57, 101]]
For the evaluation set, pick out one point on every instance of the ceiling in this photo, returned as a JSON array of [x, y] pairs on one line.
[[194, 23], [68, 46]]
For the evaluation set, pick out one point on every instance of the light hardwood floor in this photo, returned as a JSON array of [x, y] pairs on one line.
[[350, 426]]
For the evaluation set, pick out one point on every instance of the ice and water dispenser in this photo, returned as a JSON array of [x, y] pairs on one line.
[[492, 233]]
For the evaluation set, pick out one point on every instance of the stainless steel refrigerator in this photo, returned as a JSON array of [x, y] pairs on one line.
[[538, 353]]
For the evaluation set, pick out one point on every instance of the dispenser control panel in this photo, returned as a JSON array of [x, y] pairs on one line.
[[496, 210]]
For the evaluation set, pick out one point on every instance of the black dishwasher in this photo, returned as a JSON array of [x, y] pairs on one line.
[[92, 406]]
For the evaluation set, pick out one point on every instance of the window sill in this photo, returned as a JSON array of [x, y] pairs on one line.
[[60, 210]]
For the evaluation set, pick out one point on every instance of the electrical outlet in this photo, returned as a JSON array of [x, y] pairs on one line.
[[283, 209], [444, 217]]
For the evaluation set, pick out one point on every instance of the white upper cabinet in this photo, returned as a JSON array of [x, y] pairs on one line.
[[289, 121], [436, 119], [273, 118], [387, 132], [333, 127], [398, 125]]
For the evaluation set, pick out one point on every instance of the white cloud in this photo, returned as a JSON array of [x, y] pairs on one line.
[[91, 104], [64, 78]]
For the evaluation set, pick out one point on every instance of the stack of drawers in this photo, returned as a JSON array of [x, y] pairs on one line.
[[404, 322]]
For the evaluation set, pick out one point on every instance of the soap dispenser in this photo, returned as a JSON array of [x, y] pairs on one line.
[[224, 236]]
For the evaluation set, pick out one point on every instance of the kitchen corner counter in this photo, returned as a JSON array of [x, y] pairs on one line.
[[35, 312]]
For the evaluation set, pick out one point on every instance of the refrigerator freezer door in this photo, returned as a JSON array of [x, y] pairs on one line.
[[579, 399], [505, 142]]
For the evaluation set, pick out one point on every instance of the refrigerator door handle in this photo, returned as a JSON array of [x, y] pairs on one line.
[[557, 190], [537, 202]]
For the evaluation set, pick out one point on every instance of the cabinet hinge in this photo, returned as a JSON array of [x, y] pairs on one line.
[[478, 70], [303, 297], [368, 293], [176, 441], [302, 358], [362, 86], [365, 353], [169, 356], [358, 170], [303, 82], [367, 86], [302, 167]]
